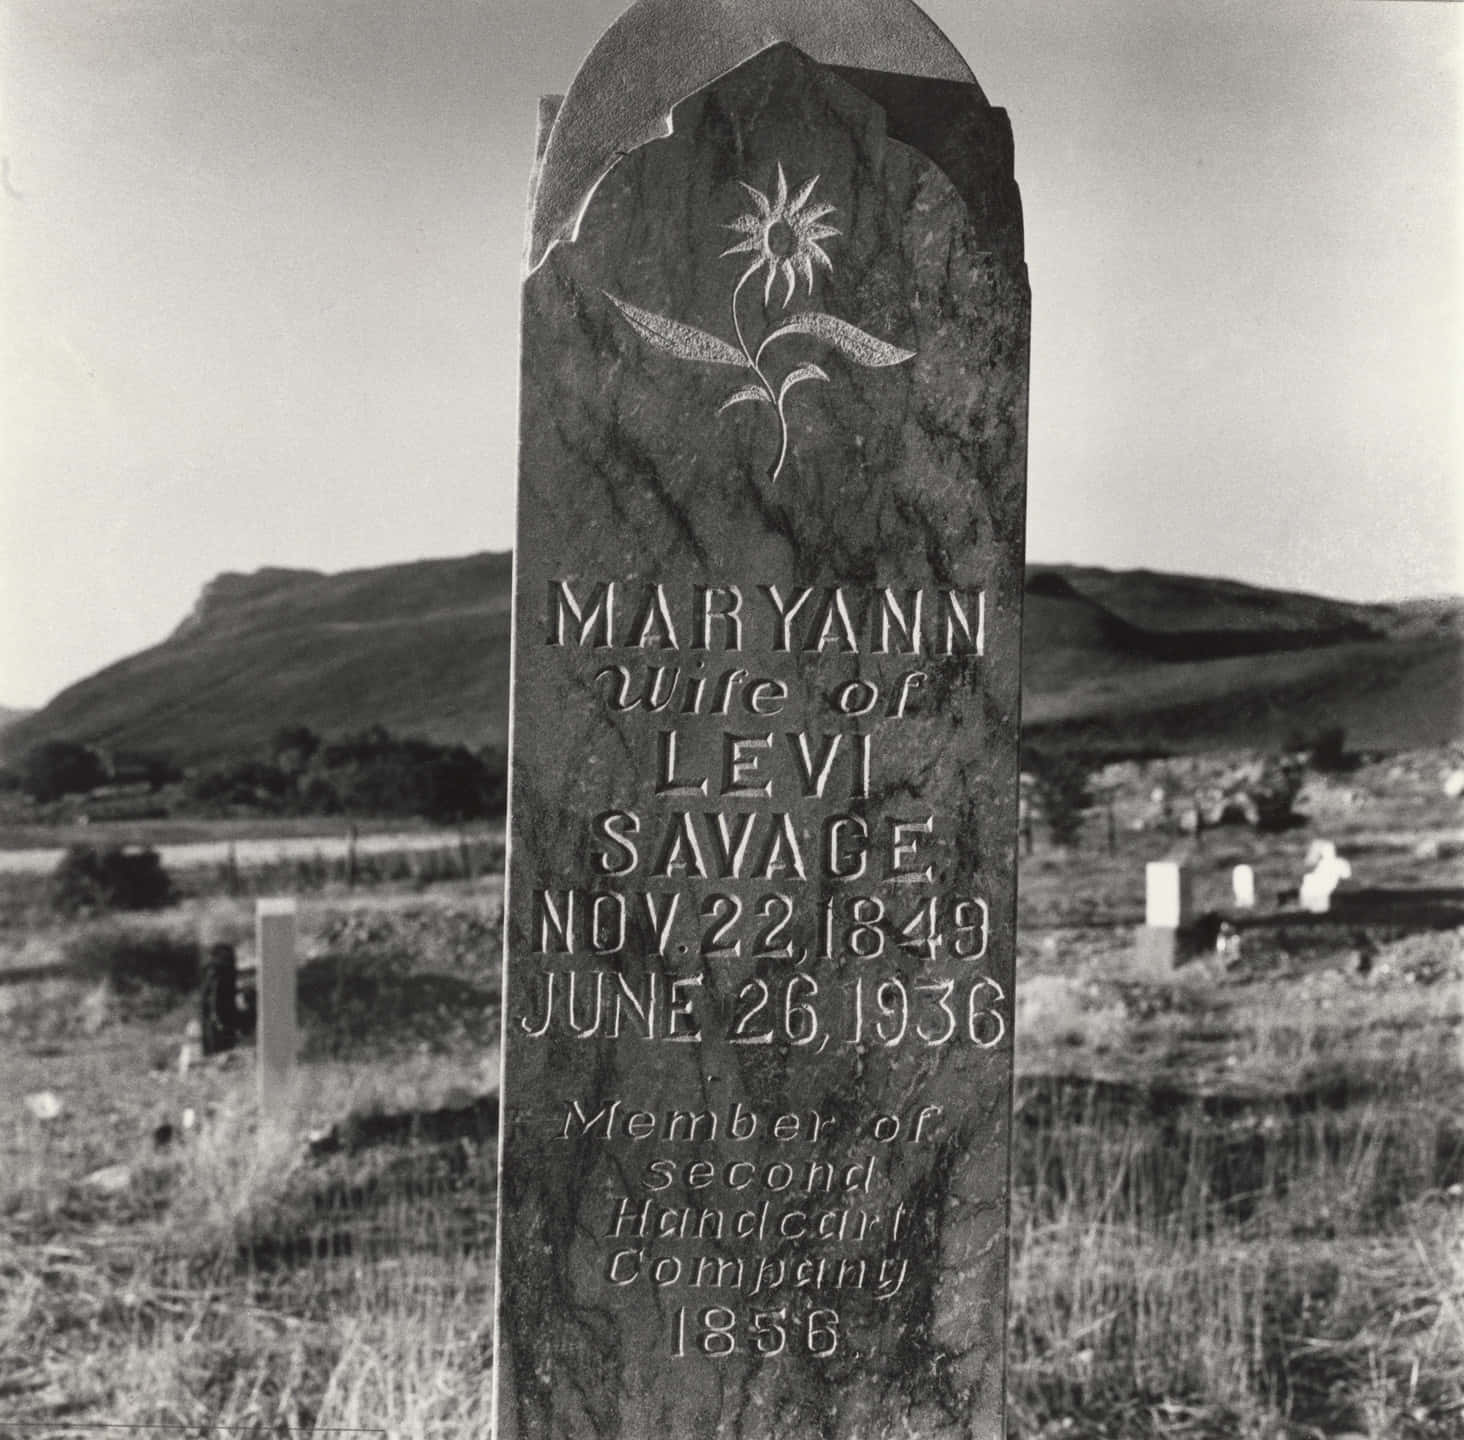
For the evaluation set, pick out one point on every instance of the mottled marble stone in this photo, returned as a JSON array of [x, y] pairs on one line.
[[641, 495]]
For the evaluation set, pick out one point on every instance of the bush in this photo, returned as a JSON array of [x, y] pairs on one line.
[[58, 767], [1063, 792], [1325, 749], [1274, 794], [88, 880], [376, 774], [293, 747], [250, 782], [1329, 750], [371, 773], [133, 958]]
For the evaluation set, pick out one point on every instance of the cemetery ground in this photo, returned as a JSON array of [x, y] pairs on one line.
[[1238, 1189]]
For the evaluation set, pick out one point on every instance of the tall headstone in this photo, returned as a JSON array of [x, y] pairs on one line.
[[1168, 895], [278, 1030], [756, 1103], [1243, 883]]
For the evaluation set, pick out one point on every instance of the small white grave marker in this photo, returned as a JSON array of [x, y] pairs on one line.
[[1169, 903], [1244, 881], [1328, 870], [278, 1030]]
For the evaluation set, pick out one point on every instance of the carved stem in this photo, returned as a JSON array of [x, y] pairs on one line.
[[783, 422], [752, 364]]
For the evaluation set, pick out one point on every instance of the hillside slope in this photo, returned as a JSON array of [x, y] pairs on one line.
[[1113, 661], [9, 716], [1135, 660], [420, 648]]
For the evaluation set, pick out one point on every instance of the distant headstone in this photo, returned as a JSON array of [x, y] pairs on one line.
[[761, 883], [1326, 871], [1168, 895], [279, 1037], [1243, 882]]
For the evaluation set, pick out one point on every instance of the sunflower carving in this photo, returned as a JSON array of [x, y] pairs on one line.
[[783, 234]]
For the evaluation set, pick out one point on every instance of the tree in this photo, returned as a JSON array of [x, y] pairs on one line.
[[1063, 792], [293, 747], [60, 767]]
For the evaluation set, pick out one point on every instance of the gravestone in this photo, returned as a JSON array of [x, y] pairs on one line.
[[1168, 895], [1168, 914], [1325, 871], [278, 1030], [1243, 883], [756, 1103]]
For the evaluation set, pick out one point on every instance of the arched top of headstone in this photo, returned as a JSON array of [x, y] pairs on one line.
[[662, 51]]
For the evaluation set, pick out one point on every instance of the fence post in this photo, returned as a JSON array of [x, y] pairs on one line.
[[278, 1027]]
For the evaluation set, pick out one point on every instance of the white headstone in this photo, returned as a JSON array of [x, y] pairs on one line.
[[1318, 883], [1320, 852], [1168, 895], [278, 1030], [1244, 881]]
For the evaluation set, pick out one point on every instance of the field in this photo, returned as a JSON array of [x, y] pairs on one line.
[[1238, 1205]]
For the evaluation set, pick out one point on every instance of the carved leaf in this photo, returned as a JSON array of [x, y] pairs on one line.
[[861, 347], [748, 392], [797, 377], [686, 342]]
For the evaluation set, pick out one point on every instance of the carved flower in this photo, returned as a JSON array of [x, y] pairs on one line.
[[784, 235]]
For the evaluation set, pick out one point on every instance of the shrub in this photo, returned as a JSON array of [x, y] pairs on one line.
[[250, 782], [1325, 749], [1063, 791], [136, 957], [1329, 749], [1274, 794], [377, 774], [88, 879], [292, 748], [58, 767]]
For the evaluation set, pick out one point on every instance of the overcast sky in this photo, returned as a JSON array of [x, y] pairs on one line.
[[260, 271]]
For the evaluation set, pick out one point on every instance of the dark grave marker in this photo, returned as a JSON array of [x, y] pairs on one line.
[[763, 813]]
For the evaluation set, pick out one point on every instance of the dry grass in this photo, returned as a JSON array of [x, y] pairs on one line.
[[1258, 1276], [1284, 1266]]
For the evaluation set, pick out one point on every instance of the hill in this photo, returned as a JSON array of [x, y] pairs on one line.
[[1118, 661], [420, 648], [1136, 660], [9, 717]]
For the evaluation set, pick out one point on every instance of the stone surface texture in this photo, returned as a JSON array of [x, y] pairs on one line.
[[630, 83], [757, 1083]]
